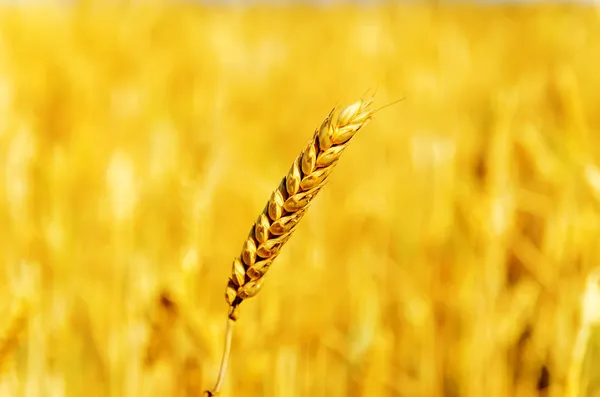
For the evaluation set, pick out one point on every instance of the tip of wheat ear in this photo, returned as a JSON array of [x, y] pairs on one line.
[[290, 201]]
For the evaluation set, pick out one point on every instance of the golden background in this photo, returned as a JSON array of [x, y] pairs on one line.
[[446, 257]]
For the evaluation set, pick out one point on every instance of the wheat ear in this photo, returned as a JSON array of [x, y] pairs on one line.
[[286, 207]]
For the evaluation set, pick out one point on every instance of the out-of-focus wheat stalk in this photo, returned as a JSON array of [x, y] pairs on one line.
[[16, 322], [161, 319], [285, 208], [584, 372]]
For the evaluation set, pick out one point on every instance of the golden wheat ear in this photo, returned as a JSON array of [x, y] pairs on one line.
[[285, 208]]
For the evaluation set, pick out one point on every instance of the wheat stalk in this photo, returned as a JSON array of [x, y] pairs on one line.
[[25, 283], [583, 379], [285, 208], [9, 337]]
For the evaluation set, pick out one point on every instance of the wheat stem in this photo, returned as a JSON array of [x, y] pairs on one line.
[[224, 359]]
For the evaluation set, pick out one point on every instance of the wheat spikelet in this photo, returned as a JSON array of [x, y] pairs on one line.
[[286, 207]]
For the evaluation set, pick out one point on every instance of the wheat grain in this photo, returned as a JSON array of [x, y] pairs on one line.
[[286, 207]]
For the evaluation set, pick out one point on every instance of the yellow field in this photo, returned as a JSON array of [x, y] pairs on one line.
[[446, 257]]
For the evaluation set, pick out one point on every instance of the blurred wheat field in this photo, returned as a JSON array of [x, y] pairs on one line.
[[446, 257]]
